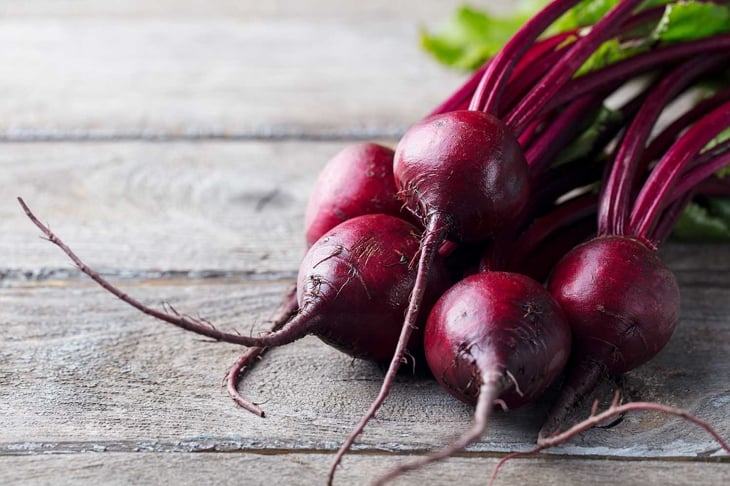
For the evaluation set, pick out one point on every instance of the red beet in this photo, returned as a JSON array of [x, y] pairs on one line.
[[352, 289], [497, 324], [356, 181], [621, 298], [622, 303], [492, 336], [354, 284], [464, 168]]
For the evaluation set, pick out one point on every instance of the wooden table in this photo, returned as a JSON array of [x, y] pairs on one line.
[[173, 144]]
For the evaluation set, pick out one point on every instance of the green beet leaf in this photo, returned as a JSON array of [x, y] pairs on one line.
[[711, 222]]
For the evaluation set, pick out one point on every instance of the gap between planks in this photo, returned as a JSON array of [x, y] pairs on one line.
[[199, 135], [226, 446]]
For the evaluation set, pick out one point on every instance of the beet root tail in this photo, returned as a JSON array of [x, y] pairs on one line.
[[582, 379], [299, 326], [489, 392], [286, 311], [432, 239]]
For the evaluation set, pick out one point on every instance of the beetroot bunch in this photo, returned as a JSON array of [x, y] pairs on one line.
[[443, 246]]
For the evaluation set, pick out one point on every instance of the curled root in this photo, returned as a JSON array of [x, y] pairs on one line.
[[596, 418], [286, 310]]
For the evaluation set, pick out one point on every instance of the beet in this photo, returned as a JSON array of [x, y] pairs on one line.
[[465, 168], [356, 181], [354, 284], [498, 323], [352, 289], [494, 336], [622, 299]]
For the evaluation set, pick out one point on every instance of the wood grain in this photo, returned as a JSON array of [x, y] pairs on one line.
[[307, 469], [204, 208], [223, 69], [173, 144], [81, 371], [311, 10]]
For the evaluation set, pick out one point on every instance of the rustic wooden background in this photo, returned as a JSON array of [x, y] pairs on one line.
[[173, 144]]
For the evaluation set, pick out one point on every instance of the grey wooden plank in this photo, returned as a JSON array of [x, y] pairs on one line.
[[306, 469], [420, 10], [112, 70], [80, 372], [190, 206], [211, 207]]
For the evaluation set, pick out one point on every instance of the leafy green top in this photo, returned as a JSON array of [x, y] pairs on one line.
[[471, 36]]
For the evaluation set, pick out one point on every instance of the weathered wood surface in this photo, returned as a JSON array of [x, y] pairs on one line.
[[254, 469], [211, 206], [125, 382], [214, 227], [111, 70]]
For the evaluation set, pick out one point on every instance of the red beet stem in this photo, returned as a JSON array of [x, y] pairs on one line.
[[434, 236], [653, 196], [523, 80], [613, 213], [561, 217], [564, 178], [555, 182], [669, 218], [493, 385], [579, 52], [489, 91], [460, 98], [532, 131], [707, 164], [661, 143], [689, 184], [634, 66], [565, 127]]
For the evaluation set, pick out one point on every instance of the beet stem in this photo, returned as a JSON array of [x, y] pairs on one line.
[[631, 67], [286, 310], [541, 229], [300, 326], [432, 239], [614, 207], [564, 128], [670, 217], [653, 196], [532, 103], [493, 385], [521, 82], [489, 91], [524, 78], [705, 166], [668, 135], [540, 51]]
